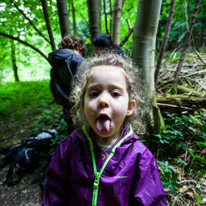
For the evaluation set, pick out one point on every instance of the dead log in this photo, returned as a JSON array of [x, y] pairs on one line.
[[189, 90], [180, 103]]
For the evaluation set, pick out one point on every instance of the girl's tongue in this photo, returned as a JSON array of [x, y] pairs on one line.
[[103, 124]]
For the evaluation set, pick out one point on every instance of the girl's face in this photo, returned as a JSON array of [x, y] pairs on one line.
[[106, 102]]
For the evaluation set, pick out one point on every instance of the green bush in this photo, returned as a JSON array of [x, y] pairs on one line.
[[28, 107], [184, 136]]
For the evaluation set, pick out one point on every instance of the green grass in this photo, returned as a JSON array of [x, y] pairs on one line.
[[26, 108]]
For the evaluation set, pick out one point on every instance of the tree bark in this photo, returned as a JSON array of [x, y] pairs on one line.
[[144, 41], [46, 16], [164, 43], [116, 21], [105, 16], [63, 17], [186, 44], [13, 60], [74, 19], [100, 14], [111, 14], [25, 43], [94, 17]]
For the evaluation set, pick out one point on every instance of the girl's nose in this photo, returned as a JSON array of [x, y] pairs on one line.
[[103, 101]]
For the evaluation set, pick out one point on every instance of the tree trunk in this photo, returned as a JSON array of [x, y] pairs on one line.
[[105, 16], [111, 14], [100, 14], [63, 17], [116, 21], [74, 19], [46, 16], [143, 54], [186, 44], [94, 18], [164, 43], [13, 60]]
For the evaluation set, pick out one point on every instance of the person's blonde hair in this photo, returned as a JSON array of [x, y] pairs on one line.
[[134, 83]]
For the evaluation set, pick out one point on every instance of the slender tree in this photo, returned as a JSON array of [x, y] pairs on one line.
[[74, 18], [144, 41], [164, 43], [111, 14], [116, 21], [46, 16], [186, 44], [63, 17], [94, 18], [13, 60], [105, 16]]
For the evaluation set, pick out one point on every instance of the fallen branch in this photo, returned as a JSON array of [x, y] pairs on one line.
[[161, 105], [192, 181], [181, 102], [200, 57], [128, 34], [190, 91]]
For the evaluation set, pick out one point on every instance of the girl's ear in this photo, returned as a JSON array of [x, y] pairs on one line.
[[131, 107]]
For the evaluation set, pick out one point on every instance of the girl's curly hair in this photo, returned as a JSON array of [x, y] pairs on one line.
[[73, 42], [134, 82]]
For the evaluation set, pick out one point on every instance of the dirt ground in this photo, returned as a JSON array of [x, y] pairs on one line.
[[27, 192]]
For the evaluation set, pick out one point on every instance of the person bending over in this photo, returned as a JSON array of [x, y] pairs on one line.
[[65, 62]]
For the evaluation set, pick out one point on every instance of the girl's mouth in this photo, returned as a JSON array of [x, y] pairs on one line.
[[103, 123]]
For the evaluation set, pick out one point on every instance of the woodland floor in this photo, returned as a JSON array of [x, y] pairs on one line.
[[28, 192]]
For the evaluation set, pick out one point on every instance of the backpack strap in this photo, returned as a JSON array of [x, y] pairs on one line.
[[9, 178]]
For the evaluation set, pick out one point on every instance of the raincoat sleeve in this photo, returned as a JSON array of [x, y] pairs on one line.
[[56, 186], [147, 188]]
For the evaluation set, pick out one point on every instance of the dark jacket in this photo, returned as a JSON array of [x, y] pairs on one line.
[[77, 175], [65, 64]]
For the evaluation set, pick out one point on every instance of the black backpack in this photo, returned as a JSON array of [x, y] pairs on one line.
[[65, 64], [25, 156]]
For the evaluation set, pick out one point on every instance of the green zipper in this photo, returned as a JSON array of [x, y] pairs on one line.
[[96, 173]]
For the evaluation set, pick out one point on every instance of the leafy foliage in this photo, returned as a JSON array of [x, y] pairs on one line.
[[28, 107], [168, 177], [14, 23], [181, 143], [182, 17]]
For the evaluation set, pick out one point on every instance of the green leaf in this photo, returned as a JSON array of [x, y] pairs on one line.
[[173, 189]]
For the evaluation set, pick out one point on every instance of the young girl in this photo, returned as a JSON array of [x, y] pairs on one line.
[[104, 162]]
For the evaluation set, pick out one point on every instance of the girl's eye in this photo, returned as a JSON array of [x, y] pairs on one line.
[[115, 94], [93, 94]]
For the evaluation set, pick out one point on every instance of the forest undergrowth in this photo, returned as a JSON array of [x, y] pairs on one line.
[[180, 149]]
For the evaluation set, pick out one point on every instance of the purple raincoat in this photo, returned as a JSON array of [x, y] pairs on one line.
[[77, 175]]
